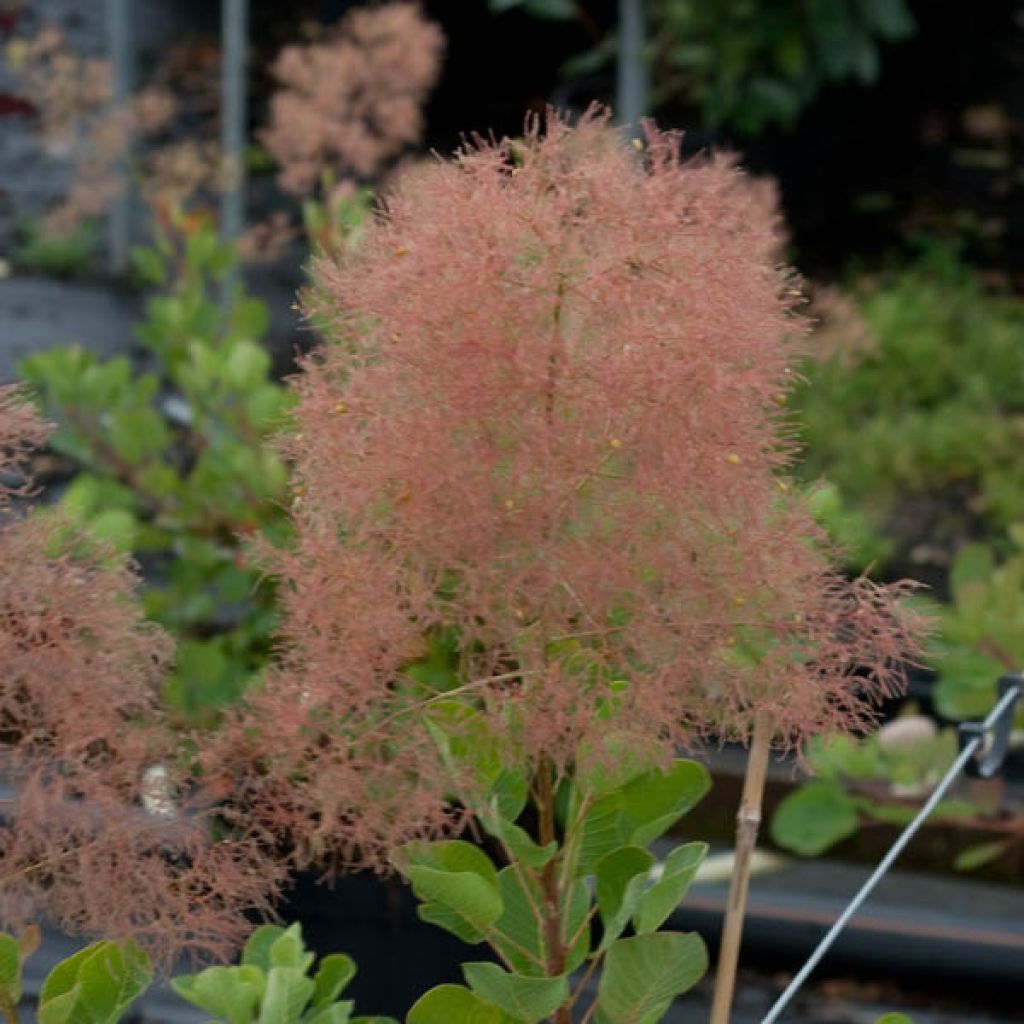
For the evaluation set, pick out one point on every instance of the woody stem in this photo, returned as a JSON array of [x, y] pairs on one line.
[[748, 819]]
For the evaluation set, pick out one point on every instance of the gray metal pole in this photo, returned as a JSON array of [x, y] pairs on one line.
[[121, 54], [234, 65], [631, 91]]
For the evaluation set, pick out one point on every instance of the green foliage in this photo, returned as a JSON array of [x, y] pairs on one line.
[[644, 974], [749, 65], [894, 1018], [540, 913], [881, 778], [333, 217], [13, 953], [813, 818], [67, 254], [452, 1004], [925, 416], [96, 985], [273, 984], [931, 408], [980, 638], [173, 462], [982, 631], [859, 543]]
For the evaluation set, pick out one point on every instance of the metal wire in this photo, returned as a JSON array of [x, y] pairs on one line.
[[1004, 705]]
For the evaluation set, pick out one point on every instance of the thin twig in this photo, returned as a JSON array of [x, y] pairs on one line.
[[591, 1010], [436, 698], [587, 975]]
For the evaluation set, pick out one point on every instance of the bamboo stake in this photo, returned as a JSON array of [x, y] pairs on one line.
[[748, 820]]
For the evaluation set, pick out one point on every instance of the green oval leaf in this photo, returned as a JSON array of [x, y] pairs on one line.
[[232, 993], [814, 818], [287, 992], [10, 966], [977, 856], [474, 901], [621, 878], [453, 1004], [662, 898], [643, 974], [526, 999], [97, 984], [333, 974]]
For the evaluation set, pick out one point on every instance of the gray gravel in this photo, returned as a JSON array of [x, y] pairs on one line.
[[38, 313]]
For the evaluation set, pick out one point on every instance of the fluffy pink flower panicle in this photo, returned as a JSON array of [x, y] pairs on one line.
[[550, 423], [352, 102], [21, 430], [91, 831]]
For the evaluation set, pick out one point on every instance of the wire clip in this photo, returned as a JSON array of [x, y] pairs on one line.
[[993, 734]]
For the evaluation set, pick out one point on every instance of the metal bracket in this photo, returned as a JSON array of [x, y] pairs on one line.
[[993, 736]]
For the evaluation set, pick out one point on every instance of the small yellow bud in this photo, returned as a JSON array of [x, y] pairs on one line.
[[780, 399], [509, 504], [739, 600], [615, 443], [402, 251], [733, 459], [638, 145], [341, 408], [782, 485]]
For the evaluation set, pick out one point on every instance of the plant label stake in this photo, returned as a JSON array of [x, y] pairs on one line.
[[748, 820]]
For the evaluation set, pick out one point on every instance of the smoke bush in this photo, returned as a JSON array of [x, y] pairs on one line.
[[548, 427], [91, 834], [352, 101]]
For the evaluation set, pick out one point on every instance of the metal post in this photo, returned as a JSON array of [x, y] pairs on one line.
[[234, 65], [631, 90], [122, 66]]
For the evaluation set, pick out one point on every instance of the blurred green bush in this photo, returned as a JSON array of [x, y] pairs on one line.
[[912, 411], [173, 463], [916, 414], [746, 65]]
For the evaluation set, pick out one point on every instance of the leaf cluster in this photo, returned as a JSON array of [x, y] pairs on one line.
[[565, 902], [926, 415], [274, 984], [98, 984], [872, 780], [860, 781], [982, 630], [173, 464], [749, 66]]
